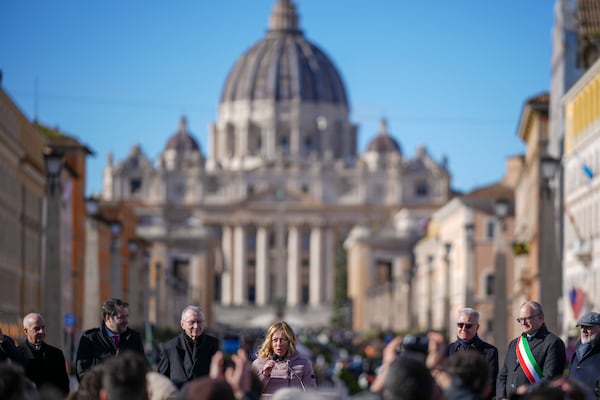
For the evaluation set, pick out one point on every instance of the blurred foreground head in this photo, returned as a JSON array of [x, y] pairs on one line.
[[409, 379]]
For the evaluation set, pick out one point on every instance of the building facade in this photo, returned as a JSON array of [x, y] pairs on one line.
[[581, 165], [22, 200], [258, 219], [466, 260]]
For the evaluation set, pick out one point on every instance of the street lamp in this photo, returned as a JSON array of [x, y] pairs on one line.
[[92, 275], [549, 166], [501, 210], [549, 268], [53, 273], [447, 319], [115, 270], [470, 270], [429, 292], [92, 204]]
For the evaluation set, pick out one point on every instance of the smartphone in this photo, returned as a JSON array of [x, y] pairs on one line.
[[230, 344]]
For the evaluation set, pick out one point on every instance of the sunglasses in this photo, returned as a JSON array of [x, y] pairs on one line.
[[467, 325]]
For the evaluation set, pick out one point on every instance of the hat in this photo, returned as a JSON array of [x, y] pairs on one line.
[[589, 319]]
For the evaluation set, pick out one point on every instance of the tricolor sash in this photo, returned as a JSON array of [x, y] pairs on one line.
[[530, 367]]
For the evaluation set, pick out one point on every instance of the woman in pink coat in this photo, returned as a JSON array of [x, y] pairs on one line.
[[279, 364]]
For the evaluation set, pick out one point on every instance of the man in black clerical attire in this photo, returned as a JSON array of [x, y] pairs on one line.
[[44, 364], [187, 356]]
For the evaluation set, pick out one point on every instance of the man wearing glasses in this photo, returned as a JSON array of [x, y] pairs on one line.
[[584, 366], [111, 338], [187, 356], [536, 355], [467, 338]]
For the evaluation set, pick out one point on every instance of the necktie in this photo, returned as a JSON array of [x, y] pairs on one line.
[[116, 340]]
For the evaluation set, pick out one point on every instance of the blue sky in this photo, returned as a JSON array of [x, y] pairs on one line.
[[450, 75]]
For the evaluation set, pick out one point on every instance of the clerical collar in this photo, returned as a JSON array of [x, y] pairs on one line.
[[36, 347]]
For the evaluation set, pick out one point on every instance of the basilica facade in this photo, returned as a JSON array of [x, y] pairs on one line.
[[254, 228]]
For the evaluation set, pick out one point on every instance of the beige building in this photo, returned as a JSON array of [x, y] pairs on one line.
[[581, 166], [259, 219], [466, 260]]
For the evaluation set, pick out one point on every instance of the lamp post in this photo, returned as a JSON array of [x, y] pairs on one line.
[[115, 269], [53, 272], [470, 269], [447, 319], [91, 278], [550, 275], [501, 209], [429, 292]]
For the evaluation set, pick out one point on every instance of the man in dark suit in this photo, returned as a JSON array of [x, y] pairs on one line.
[[110, 339], [188, 355], [467, 326], [536, 355], [44, 364]]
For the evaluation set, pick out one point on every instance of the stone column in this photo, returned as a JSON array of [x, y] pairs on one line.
[[226, 274], [293, 267], [195, 279], [91, 279], [160, 268], [262, 266], [316, 276], [240, 284], [241, 136], [329, 251], [294, 140], [270, 142]]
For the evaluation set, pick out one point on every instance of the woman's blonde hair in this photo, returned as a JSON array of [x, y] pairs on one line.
[[265, 350]]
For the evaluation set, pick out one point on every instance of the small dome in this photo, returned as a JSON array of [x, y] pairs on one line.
[[284, 66], [181, 141], [383, 142]]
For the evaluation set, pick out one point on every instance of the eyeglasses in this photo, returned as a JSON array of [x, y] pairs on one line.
[[466, 325], [192, 323], [526, 319]]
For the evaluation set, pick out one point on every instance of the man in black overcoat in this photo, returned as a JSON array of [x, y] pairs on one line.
[[467, 338], [44, 364], [188, 355], [110, 339]]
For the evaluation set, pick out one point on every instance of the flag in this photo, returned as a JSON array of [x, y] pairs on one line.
[[587, 171], [577, 298]]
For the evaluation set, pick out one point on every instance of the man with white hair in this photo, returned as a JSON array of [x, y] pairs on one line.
[[187, 356], [44, 364], [585, 362]]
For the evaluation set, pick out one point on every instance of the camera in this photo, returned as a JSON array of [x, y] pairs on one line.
[[416, 343]]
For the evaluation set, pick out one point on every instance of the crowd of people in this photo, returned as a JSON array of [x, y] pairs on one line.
[[110, 364]]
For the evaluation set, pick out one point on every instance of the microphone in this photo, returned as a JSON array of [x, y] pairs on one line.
[[293, 373]]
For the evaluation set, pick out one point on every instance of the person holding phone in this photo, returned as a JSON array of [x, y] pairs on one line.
[[279, 364], [187, 356]]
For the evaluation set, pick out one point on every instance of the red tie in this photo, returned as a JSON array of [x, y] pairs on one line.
[[116, 340]]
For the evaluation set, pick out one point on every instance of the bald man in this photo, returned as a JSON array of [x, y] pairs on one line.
[[44, 364]]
